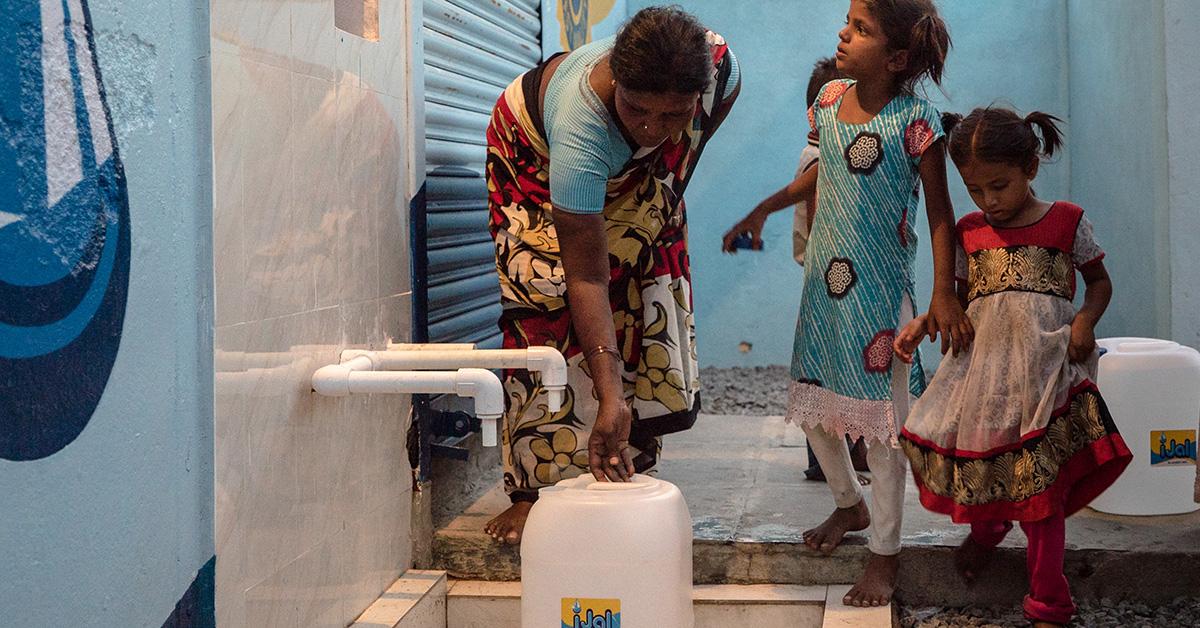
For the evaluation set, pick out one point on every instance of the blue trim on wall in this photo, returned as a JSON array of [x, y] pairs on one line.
[[198, 606]]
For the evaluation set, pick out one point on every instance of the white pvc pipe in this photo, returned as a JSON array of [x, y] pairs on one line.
[[545, 360], [357, 375]]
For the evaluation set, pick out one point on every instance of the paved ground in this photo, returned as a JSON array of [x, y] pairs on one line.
[[749, 506], [760, 390], [1180, 613]]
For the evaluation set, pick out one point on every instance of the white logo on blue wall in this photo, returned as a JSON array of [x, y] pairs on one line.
[[64, 228]]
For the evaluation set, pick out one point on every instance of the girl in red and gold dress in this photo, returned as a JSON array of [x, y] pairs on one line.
[[1015, 429]]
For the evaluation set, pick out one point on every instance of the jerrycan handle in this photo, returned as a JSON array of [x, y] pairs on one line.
[[637, 481]]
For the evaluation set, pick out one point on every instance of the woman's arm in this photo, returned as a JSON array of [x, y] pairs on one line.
[[946, 316], [584, 248]]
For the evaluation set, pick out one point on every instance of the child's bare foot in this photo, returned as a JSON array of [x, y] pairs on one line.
[[858, 456], [817, 475], [877, 583], [826, 537], [971, 558], [508, 526], [1047, 624]]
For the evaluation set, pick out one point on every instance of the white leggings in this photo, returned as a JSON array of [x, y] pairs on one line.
[[888, 465]]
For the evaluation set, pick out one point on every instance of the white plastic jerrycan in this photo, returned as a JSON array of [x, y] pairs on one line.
[[1152, 389], [607, 555]]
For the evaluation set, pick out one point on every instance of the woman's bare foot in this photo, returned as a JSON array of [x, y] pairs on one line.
[[877, 583], [971, 558], [826, 537], [508, 526]]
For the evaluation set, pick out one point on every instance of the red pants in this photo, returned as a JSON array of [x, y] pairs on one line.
[[1049, 597]]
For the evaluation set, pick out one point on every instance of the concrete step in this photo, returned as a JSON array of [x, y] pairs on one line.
[[481, 604], [416, 600], [1152, 560], [750, 506]]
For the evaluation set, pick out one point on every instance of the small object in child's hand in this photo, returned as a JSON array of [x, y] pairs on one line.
[[744, 241]]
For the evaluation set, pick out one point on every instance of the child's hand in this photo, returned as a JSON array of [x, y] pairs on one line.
[[1083, 340], [909, 338], [947, 319], [751, 224]]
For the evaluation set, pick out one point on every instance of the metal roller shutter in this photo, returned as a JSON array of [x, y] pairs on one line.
[[472, 50]]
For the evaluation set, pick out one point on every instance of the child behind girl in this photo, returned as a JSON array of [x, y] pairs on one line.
[[879, 144], [1014, 429]]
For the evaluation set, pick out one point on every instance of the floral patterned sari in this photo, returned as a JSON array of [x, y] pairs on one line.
[[649, 290]]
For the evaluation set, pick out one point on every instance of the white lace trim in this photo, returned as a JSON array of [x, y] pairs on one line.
[[872, 420]]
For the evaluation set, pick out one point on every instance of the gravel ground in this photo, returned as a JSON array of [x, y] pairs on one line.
[[1182, 613], [756, 391], [763, 391]]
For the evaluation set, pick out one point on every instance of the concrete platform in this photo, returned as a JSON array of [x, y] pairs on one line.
[[750, 503], [479, 604]]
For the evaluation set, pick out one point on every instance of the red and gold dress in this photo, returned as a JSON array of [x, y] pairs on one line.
[[1011, 429]]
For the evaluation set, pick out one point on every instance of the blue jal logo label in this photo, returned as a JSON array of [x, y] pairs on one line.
[[590, 613], [1172, 447]]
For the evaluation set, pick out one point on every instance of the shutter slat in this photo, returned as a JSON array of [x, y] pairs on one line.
[[442, 153], [443, 224], [456, 125], [446, 260], [475, 320], [466, 289], [457, 189], [456, 90]]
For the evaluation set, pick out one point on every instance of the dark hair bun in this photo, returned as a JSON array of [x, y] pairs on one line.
[[662, 49]]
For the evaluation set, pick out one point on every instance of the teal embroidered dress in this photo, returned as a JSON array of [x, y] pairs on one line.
[[860, 266]]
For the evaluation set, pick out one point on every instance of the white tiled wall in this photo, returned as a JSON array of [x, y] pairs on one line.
[[313, 495]]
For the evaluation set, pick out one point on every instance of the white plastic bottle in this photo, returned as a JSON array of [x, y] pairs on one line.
[[608, 555], [1152, 389]]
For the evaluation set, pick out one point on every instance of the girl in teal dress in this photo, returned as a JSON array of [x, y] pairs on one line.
[[879, 143]]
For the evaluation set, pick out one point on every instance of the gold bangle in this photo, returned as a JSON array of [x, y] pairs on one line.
[[595, 351]]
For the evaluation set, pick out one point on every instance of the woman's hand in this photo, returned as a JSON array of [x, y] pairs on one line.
[[909, 339], [751, 224], [608, 444], [947, 319], [1083, 340]]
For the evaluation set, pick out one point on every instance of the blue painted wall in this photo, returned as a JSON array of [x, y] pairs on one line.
[[1118, 141], [1182, 39], [753, 297], [569, 24], [106, 472]]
